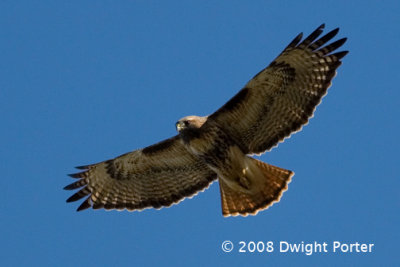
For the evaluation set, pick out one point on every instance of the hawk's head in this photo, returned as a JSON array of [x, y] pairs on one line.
[[190, 122]]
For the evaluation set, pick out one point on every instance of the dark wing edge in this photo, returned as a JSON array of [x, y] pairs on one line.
[[152, 177], [287, 67]]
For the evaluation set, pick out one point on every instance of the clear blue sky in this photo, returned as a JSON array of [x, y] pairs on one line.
[[85, 81]]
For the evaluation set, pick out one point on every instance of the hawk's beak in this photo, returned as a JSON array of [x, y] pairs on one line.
[[179, 126]]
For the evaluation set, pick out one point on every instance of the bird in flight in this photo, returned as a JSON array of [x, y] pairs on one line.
[[275, 103]]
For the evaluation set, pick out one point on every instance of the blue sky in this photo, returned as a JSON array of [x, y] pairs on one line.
[[85, 81]]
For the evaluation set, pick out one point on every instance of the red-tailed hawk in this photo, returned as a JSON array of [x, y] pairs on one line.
[[271, 106]]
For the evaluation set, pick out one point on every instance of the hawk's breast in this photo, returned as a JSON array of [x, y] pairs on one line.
[[211, 144]]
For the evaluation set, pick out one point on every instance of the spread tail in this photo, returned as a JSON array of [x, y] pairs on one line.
[[259, 186]]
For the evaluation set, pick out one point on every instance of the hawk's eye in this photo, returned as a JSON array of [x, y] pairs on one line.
[[186, 123]]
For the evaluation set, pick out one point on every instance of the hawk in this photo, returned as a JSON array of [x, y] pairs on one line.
[[275, 103]]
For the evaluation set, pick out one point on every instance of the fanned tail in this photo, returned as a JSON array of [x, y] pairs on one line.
[[270, 182]]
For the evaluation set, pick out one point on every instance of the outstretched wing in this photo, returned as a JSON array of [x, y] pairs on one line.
[[283, 96], [156, 176]]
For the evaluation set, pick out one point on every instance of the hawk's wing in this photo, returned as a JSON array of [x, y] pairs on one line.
[[156, 176], [283, 96]]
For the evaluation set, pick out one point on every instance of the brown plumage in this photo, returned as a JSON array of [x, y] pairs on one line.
[[278, 101]]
